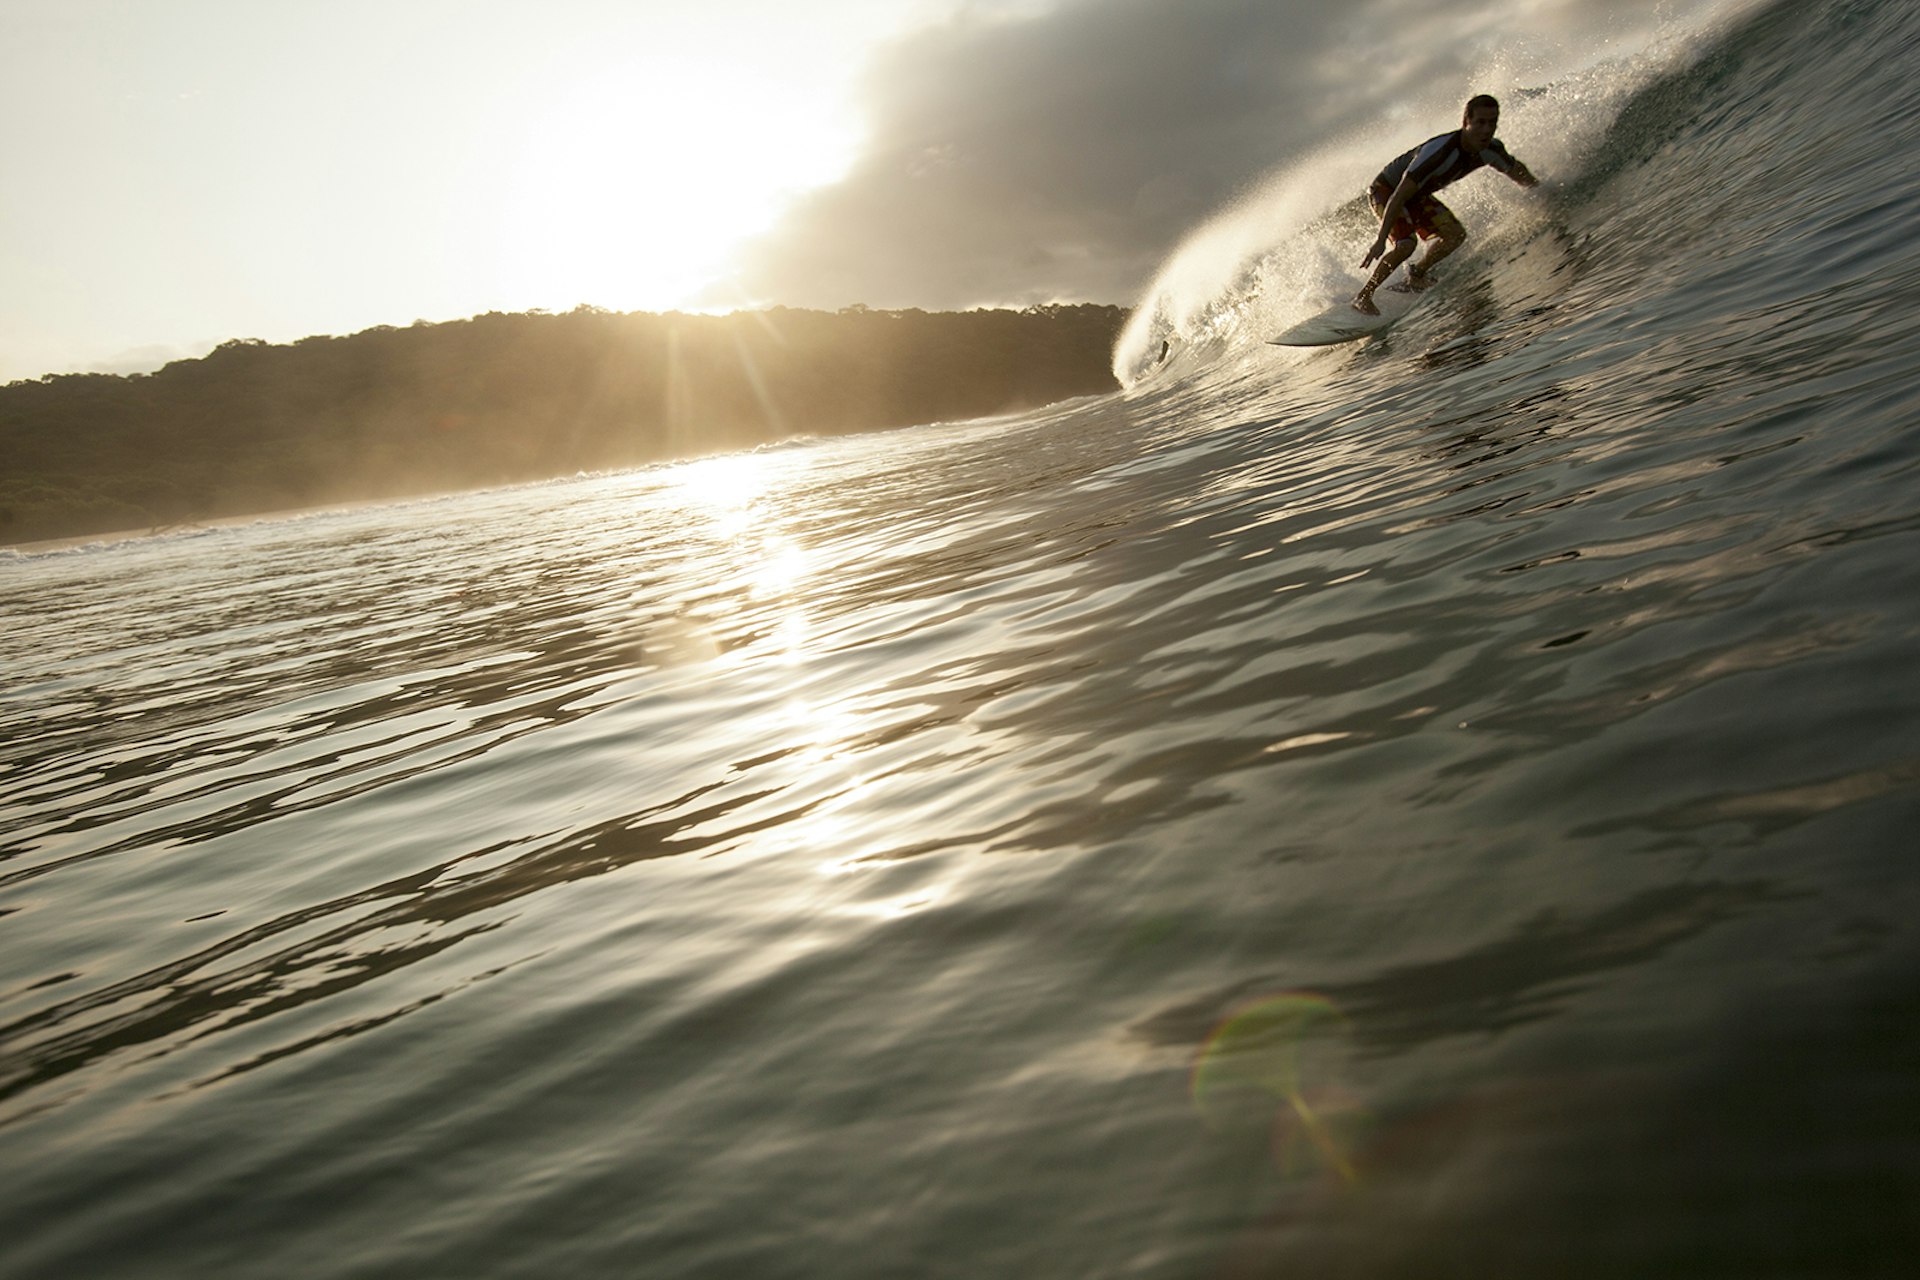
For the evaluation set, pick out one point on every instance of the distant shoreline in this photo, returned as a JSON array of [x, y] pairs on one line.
[[255, 429]]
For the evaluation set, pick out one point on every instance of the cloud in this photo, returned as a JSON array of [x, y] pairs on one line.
[[1021, 154]]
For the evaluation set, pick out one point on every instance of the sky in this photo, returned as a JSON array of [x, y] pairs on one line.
[[177, 173]]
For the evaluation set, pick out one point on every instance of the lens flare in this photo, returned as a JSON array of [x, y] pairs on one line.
[[1274, 1064]]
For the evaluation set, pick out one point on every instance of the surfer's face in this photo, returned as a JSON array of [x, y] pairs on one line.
[[1479, 126]]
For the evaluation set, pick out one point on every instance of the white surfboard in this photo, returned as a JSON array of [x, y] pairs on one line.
[[1341, 323]]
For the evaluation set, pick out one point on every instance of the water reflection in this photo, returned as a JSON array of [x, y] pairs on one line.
[[1538, 968]]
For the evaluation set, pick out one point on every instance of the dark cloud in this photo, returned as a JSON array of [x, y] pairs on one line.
[[1061, 154]]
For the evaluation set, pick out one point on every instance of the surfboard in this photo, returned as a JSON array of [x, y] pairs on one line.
[[1341, 323]]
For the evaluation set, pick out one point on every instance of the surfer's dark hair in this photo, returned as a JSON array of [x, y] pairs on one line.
[[1478, 101]]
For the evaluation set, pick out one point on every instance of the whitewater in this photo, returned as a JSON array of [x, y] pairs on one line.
[[1438, 806]]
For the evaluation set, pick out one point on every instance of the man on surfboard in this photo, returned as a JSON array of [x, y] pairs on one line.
[[1403, 197]]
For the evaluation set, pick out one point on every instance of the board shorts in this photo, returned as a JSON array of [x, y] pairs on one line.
[[1423, 215]]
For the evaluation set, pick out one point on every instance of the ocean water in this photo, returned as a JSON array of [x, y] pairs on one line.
[[1440, 806]]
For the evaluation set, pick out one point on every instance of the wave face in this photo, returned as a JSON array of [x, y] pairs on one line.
[[1598, 132], [1438, 806]]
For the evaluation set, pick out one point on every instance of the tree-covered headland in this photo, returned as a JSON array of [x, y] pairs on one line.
[[253, 428]]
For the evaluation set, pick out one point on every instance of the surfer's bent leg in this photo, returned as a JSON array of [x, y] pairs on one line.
[[1447, 235], [1401, 251], [1404, 242]]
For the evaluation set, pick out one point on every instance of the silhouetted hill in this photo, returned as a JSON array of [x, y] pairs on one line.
[[253, 428]]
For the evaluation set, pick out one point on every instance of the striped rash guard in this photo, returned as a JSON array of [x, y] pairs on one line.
[[1438, 161]]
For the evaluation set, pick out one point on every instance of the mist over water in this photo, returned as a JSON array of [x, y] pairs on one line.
[[1440, 806]]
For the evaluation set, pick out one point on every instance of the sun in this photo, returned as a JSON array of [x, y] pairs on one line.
[[632, 184]]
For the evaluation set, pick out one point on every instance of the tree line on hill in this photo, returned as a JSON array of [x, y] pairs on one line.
[[253, 428]]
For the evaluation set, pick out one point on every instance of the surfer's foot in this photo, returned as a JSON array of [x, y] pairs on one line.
[[1363, 303]]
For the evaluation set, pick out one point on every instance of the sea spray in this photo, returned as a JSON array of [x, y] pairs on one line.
[[1291, 244]]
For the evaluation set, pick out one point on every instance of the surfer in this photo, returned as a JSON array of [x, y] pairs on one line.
[[1403, 198]]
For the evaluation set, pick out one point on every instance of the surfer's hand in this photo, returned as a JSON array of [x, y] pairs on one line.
[[1379, 247]]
